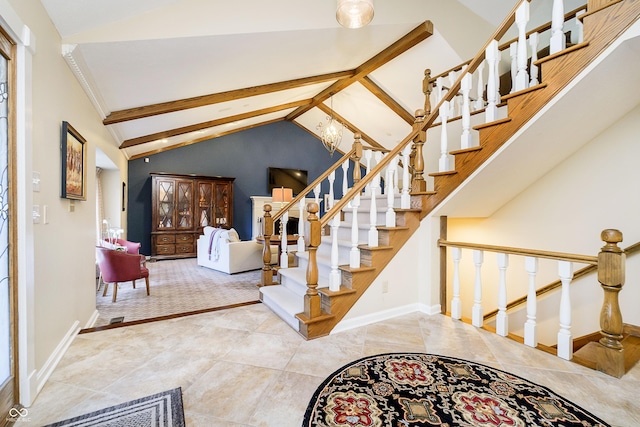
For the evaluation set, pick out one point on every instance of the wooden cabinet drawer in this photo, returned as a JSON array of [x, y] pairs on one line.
[[184, 238], [162, 239], [165, 249], [184, 248]]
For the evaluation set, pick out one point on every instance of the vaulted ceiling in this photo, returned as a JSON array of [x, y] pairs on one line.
[[168, 73]]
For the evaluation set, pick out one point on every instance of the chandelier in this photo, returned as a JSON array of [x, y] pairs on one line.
[[331, 132], [354, 13]]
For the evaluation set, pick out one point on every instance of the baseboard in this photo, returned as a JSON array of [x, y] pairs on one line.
[[92, 320], [430, 310], [55, 357], [379, 316]]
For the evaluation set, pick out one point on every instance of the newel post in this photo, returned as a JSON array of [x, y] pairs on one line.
[[611, 274], [357, 155], [312, 306], [419, 184], [267, 270]]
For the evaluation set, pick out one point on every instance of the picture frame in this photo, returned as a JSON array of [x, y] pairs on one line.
[[74, 163]]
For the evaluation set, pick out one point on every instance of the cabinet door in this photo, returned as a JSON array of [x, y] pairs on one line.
[[222, 206], [184, 205], [165, 196], [205, 204]]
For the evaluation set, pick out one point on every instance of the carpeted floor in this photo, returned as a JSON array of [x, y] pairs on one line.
[[417, 389], [176, 286]]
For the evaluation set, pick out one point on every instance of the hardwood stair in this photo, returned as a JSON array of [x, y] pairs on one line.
[[601, 29]]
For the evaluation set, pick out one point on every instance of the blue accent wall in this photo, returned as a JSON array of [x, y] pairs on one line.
[[244, 155]]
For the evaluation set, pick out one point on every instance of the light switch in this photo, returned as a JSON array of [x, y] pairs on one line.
[[36, 214]]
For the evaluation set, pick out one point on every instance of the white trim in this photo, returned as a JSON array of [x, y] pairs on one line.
[[56, 356], [380, 316], [92, 320]]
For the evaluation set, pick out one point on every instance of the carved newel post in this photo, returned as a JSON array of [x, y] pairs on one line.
[[426, 89], [312, 306], [419, 185], [611, 274], [267, 270], [357, 155]]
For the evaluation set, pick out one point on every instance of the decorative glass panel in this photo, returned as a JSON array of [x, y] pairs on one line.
[[185, 203], [204, 203], [222, 204], [165, 204]]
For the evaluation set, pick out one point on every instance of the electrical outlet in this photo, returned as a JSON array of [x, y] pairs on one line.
[[385, 287]]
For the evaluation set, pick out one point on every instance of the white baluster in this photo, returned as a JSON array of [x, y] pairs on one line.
[[354, 255], [376, 182], [405, 197], [502, 320], [533, 42], [301, 222], [331, 178], [439, 85], [284, 255], [465, 87], [316, 194], [491, 110], [558, 41], [522, 18], [390, 217], [580, 27], [396, 177], [476, 312], [565, 341], [456, 304], [443, 163], [479, 104], [453, 76], [345, 181], [367, 154], [513, 53], [373, 217], [334, 275], [530, 327]]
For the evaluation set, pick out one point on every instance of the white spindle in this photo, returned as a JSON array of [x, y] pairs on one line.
[[522, 18], [405, 197], [558, 41], [533, 42], [443, 163], [479, 104], [530, 327], [376, 183], [331, 178], [502, 320], [396, 177], [345, 181], [476, 312], [284, 254], [373, 217], [453, 76], [390, 217], [513, 53], [580, 27], [439, 85], [456, 304], [367, 154], [316, 193], [301, 222], [354, 255], [491, 110], [334, 275], [565, 342], [465, 87]]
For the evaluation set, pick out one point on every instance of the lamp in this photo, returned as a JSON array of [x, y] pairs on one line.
[[331, 132], [281, 195], [354, 13]]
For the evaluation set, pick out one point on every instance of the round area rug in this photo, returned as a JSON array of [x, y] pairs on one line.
[[416, 389]]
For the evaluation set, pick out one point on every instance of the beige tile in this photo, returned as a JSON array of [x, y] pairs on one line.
[[265, 350]]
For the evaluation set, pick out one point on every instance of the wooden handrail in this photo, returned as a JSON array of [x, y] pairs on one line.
[[556, 284], [506, 45], [585, 259]]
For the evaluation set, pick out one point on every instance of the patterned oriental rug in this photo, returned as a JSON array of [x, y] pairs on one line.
[[158, 410], [416, 389]]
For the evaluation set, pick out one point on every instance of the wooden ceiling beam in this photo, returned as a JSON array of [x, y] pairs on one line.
[[212, 123], [415, 36], [215, 98], [383, 96]]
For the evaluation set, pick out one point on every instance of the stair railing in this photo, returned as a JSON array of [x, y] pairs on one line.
[[610, 264]]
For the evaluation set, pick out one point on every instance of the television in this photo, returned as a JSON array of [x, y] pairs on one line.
[[296, 179]]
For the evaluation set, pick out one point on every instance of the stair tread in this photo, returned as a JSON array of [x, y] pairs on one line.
[[289, 301]]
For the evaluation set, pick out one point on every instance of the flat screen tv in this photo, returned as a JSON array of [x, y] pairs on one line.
[[296, 179]]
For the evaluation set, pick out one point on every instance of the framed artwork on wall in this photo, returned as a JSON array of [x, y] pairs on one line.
[[74, 162]]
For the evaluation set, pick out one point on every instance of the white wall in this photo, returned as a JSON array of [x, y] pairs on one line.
[[62, 294], [565, 211]]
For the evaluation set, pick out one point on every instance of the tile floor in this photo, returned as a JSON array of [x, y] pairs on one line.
[[245, 367]]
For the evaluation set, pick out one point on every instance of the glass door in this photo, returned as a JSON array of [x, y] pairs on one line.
[[221, 206], [205, 201], [184, 208], [165, 204]]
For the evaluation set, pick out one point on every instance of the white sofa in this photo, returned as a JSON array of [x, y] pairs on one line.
[[222, 250]]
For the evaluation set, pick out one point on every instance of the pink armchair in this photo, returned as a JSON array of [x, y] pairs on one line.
[[119, 266]]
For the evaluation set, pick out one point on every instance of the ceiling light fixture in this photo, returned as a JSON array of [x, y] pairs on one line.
[[331, 132], [354, 13]]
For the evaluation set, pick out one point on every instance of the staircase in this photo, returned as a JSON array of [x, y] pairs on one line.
[[294, 301]]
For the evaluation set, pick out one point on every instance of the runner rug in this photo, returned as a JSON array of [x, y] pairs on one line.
[[415, 389], [158, 410]]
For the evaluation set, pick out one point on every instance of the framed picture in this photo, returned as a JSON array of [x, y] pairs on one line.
[[74, 162]]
